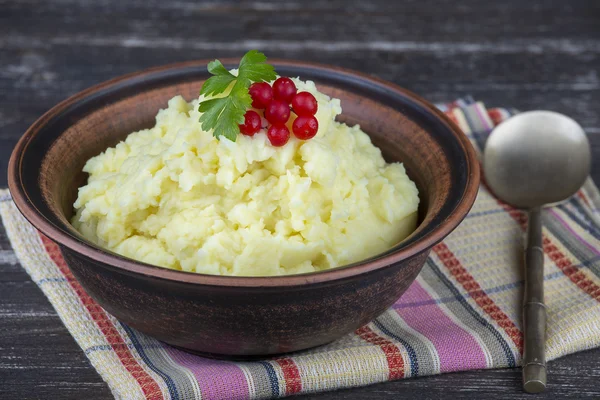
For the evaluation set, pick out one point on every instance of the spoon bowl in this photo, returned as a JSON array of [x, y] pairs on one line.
[[536, 158]]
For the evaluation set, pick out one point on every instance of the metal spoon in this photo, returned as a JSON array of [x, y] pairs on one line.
[[531, 160]]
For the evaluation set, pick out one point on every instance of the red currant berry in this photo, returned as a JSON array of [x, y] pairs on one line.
[[284, 89], [305, 127], [277, 112], [304, 103], [251, 123], [261, 93], [278, 135]]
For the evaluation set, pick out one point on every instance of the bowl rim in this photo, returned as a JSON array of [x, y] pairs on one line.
[[127, 265]]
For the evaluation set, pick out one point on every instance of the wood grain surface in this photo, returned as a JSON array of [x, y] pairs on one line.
[[526, 54]]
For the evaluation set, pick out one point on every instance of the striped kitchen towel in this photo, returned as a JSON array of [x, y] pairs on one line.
[[463, 311]]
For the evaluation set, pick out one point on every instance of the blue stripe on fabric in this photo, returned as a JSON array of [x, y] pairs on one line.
[[140, 349], [50, 280], [272, 377], [573, 245], [412, 355], [101, 347], [468, 99], [507, 351], [483, 213], [586, 225], [108, 347], [477, 136]]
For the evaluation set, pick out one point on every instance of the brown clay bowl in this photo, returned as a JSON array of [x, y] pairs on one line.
[[242, 316]]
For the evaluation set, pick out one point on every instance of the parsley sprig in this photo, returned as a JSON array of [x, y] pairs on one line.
[[224, 114]]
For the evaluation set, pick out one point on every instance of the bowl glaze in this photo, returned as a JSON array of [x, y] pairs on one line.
[[242, 316]]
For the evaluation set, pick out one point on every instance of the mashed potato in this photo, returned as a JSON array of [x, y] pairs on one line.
[[176, 197]]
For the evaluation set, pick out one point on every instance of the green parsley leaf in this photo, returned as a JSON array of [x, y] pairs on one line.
[[253, 68], [219, 82], [224, 114]]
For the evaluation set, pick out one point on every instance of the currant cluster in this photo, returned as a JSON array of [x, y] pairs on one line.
[[275, 101]]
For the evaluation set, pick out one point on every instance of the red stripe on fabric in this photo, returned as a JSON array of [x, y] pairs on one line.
[[495, 115], [291, 375], [469, 283], [519, 216], [583, 198], [148, 385], [572, 272], [452, 117], [391, 351], [559, 258]]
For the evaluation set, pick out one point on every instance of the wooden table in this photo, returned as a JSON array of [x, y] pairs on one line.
[[526, 54]]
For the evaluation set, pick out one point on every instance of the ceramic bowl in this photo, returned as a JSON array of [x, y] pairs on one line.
[[242, 316]]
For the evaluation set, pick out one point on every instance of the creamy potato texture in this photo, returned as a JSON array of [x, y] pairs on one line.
[[176, 197]]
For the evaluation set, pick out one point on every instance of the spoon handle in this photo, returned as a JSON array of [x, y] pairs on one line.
[[534, 310]]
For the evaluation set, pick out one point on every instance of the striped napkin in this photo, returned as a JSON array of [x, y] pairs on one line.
[[463, 311]]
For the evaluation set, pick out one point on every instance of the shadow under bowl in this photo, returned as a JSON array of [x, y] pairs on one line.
[[242, 316]]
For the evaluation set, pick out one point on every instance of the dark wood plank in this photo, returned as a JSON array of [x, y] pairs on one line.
[[376, 23], [526, 54], [38, 356]]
